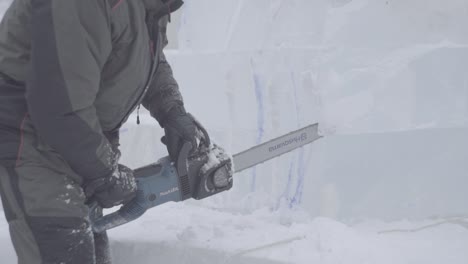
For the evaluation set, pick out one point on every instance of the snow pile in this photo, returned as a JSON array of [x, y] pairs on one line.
[[177, 233], [181, 233]]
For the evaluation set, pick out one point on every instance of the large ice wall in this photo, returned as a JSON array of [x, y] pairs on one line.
[[378, 65], [386, 79]]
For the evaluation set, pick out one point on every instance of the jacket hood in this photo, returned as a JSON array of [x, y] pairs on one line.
[[166, 6]]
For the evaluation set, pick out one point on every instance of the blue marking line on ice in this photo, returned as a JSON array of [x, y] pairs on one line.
[[258, 87], [286, 192], [297, 198], [261, 109]]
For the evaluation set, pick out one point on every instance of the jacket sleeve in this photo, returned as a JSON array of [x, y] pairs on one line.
[[164, 92], [70, 44]]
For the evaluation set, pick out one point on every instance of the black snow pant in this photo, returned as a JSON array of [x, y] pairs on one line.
[[45, 207]]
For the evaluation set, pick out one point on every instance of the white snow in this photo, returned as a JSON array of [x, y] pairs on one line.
[[387, 81], [193, 234]]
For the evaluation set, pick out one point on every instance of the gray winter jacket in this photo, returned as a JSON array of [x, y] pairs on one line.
[[73, 71]]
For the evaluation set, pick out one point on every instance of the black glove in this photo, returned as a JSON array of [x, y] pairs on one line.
[[112, 190], [180, 127]]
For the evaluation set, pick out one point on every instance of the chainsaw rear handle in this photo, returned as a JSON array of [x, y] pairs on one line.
[[202, 132], [206, 136], [127, 213], [145, 197]]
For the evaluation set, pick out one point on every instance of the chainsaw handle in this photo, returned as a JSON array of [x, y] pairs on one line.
[[142, 202], [206, 136], [138, 206], [127, 213], [182, 167], [183, 159]]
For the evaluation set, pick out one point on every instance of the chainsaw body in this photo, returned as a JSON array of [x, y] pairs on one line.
[[197, 175], [200, 175]]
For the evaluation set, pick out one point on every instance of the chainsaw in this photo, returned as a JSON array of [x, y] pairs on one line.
[[195, 174]]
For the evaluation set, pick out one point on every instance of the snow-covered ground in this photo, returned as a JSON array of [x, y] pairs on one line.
[[181, 233], [387, 81]]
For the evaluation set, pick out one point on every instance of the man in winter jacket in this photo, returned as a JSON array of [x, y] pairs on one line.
[[71, 72]]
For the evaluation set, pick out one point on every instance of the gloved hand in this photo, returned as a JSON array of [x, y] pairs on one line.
[[112, 190], [180, 127]]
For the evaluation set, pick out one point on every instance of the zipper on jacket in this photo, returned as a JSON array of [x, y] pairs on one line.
[[138, 114], [154, 66]]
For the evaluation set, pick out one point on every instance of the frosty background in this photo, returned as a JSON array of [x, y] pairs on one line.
[[388, 82], [386, 79]]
